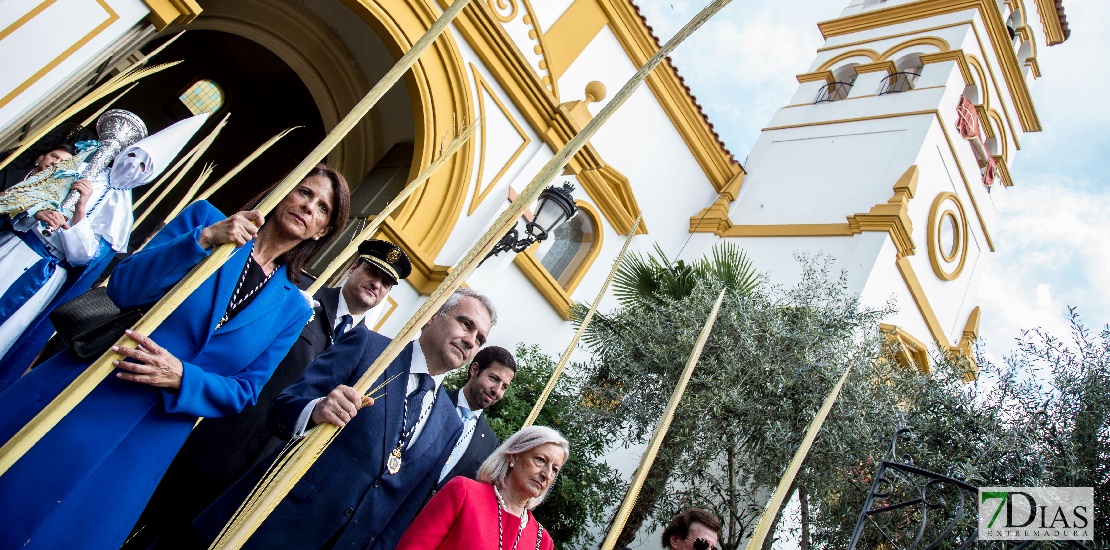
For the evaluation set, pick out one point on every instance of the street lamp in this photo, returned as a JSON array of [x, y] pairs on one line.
[[554, 206]]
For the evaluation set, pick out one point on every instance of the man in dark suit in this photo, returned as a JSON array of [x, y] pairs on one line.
[[220, 450], [491, 372], [386, 452]]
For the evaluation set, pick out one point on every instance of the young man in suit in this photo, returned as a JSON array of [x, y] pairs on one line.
[[491, 373], [220, 450], [387, 451]]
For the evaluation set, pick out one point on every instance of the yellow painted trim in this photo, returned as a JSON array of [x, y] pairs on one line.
[[439, 91], [936, 253], [164, 13], [971, 329], [549, 81], [935, 41], [915, 32], [790, 230], [426, 274], [995, 119], [922, 9], [388, 311], [588, 210], [112, 18], [555, 294], [891, 217], [569, 36], [836, 60], [1053, 31], [952, 55], [612, 193], [877, 67], [947, 137], [479, 193], [978, 65], [908, 351], [817, 76], [634, 37]]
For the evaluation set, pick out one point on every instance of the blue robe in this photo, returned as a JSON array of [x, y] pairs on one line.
[[347, 497], [84, 484], [78, 280]]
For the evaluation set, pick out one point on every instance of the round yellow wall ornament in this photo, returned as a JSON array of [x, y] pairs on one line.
[[947, 236]]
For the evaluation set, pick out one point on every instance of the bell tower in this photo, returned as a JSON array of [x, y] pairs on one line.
[[892, 154]]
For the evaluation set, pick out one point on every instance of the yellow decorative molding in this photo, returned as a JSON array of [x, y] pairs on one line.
[[893, 216], [877, 67], [164, 13], [390, 308], [612, 193], [952, 55], [426, 274], [111, 17], [556, 294], [962, 349], [948, 139], [481, 191], [934, 41], [568, 37], [937, 254], [439, 90], [817, 76], [908, 351], [715, 218], [833, 61], [1003, 170], [1053, 31], [922, 9], [672, 95]]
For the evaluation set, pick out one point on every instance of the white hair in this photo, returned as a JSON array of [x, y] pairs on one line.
[[495, 470], [463, 292]]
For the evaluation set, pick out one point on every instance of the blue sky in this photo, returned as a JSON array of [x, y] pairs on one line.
[[1053, 249]]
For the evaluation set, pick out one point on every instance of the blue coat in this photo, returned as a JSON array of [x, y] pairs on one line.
[[84, 484], [347, 496]]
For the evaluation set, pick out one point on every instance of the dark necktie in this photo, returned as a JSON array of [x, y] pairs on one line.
[[344, 324], [416, 400]]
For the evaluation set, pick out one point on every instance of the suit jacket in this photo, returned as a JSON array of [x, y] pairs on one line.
[[220, 450], [347, 498], [481, 446], [89, 477], [225, 448]]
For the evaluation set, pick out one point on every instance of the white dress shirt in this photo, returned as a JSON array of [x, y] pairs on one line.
[[419, 365], [469, 427], [342, 310]]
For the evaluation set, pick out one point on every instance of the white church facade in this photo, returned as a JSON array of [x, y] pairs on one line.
[[889, 157]]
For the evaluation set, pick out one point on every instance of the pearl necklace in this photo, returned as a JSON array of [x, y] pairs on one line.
[[501, 525]]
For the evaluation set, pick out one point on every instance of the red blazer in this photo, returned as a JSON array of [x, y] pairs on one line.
[[463, 515]]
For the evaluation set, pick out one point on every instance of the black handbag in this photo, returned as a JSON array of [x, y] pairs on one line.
[[90, 323]]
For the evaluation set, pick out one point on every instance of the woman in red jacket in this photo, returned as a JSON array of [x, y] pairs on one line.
[[493, 513]]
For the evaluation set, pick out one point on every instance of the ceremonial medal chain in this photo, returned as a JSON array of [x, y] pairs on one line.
[[460, 440], [393, 463], [235, 300], [501, 525]]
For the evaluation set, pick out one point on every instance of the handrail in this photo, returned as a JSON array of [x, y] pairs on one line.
[[898, 82], [833, 91]]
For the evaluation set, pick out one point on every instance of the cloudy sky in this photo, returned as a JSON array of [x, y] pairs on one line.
[[1053, 246]]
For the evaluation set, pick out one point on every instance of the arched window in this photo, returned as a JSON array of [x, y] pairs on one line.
[[204, 96], [569, 248]]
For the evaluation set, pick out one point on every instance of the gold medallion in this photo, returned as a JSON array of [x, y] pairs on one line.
[[393, 463]]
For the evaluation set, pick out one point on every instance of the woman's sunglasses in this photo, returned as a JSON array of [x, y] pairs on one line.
[[702, 544]]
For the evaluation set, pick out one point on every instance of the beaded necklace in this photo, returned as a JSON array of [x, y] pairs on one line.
[[393, 461], [501, 524], [236, 301]]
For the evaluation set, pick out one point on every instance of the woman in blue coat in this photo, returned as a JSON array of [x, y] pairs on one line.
[[85, 483]]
